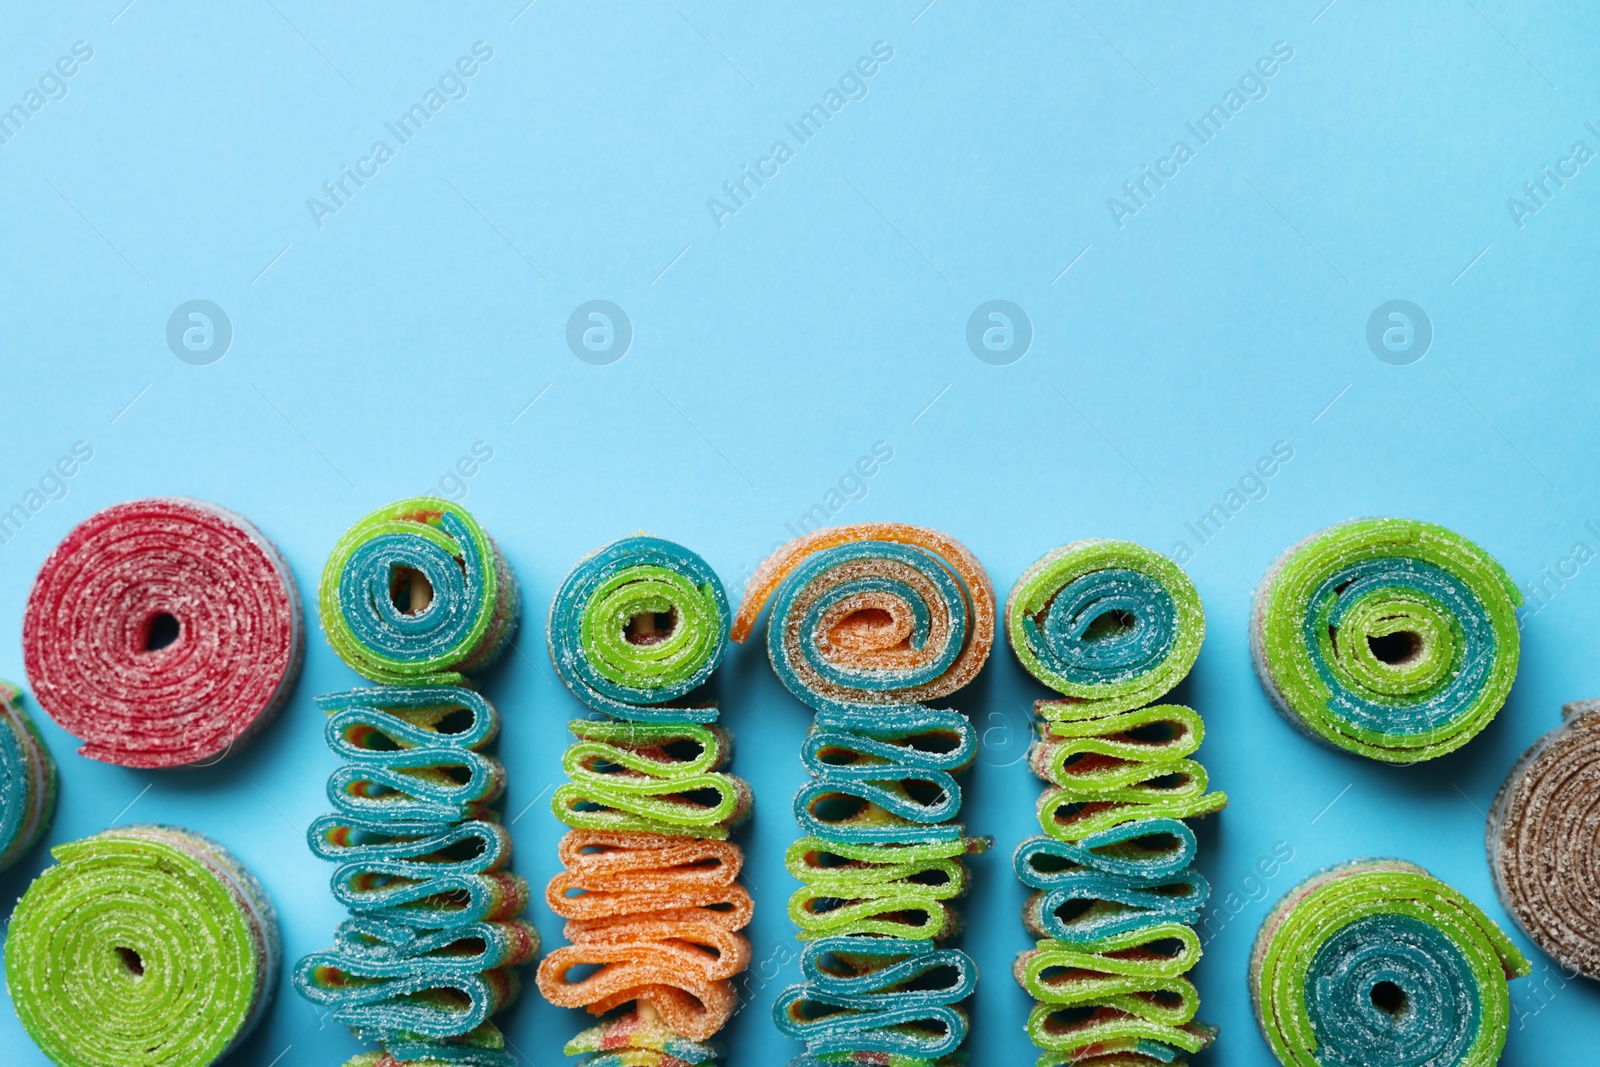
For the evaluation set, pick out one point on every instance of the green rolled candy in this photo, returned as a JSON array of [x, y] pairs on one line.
[[145, 946], [27, 779], [1107, 623], [1390, 638], [1378, 962]]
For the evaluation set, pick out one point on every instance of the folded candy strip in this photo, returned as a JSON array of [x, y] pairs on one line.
[[650, 891], [163, 632], [418, 593], [1544, 840], [27, 779], [1378, 962], [1393, 639], [144, 946], [868, 622], [416, 596], [1112, 626]]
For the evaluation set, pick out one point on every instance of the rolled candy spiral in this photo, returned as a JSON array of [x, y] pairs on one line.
[[1544, 840], [658, 916], [1107, 623], [145, 946], [162, 632], [636, 627], [1378, 962], [27, 779], [418, 593], [1390, 638]]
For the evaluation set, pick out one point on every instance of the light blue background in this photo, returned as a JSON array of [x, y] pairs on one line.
[[829, 313]]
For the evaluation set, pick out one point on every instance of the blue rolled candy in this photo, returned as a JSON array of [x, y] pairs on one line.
[[877, 1008], [1061, 638], [1046, 862], [604, 694]]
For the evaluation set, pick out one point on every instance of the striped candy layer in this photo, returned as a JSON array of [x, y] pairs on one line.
[[1544, 840], [145, 946], [637, 626], [1378, 962], [1390, 638], [1107, 623], [868, 622], [427, 956], [418, 593], [650, 891], [27, 779], [163, 632], [1112, 625]]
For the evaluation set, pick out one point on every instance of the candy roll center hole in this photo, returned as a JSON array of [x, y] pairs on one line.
[[410, 590], [1396, 649], [132, 961], [162, 630], [1110, 624], [1389, 999], [647, 627]]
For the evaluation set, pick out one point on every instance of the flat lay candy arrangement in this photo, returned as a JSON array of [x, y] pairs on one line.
[[166, 633]]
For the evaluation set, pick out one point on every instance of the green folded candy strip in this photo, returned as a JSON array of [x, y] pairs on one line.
[[1378, 962], [144, 946], [1112, 626], [27, 779], [1390, 638], [874, 889], [629, 776]]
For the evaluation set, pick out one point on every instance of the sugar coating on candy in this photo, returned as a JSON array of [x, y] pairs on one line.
[[1544, 840], [659, 916], [1112, 626], [1376, 961], [637, 626], [418, 593], [654, 777], [1107, 623], [27, 779], [142, 946], [431, 950], [650, 889], [868, 622], [163, 632], [1390, 638]]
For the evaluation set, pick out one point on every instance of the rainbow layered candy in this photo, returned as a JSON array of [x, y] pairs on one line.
[[650, 891], [868, 622], [27, 779], [1112, 626], [144, 946], [1390, 638], [418, 592]]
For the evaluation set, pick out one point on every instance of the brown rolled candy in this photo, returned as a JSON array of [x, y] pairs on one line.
[[1544, 840]]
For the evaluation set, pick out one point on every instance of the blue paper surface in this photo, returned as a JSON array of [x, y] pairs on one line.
[[958, 296]]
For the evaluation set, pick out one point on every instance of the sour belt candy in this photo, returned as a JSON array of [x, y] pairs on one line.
[[1544, 840], [650, 890], [162, 632], [27, 779], [868, 622], [415, 595], [1389, 638], [1378, 962], [1112, 625], [145, 946], [417, 592]]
